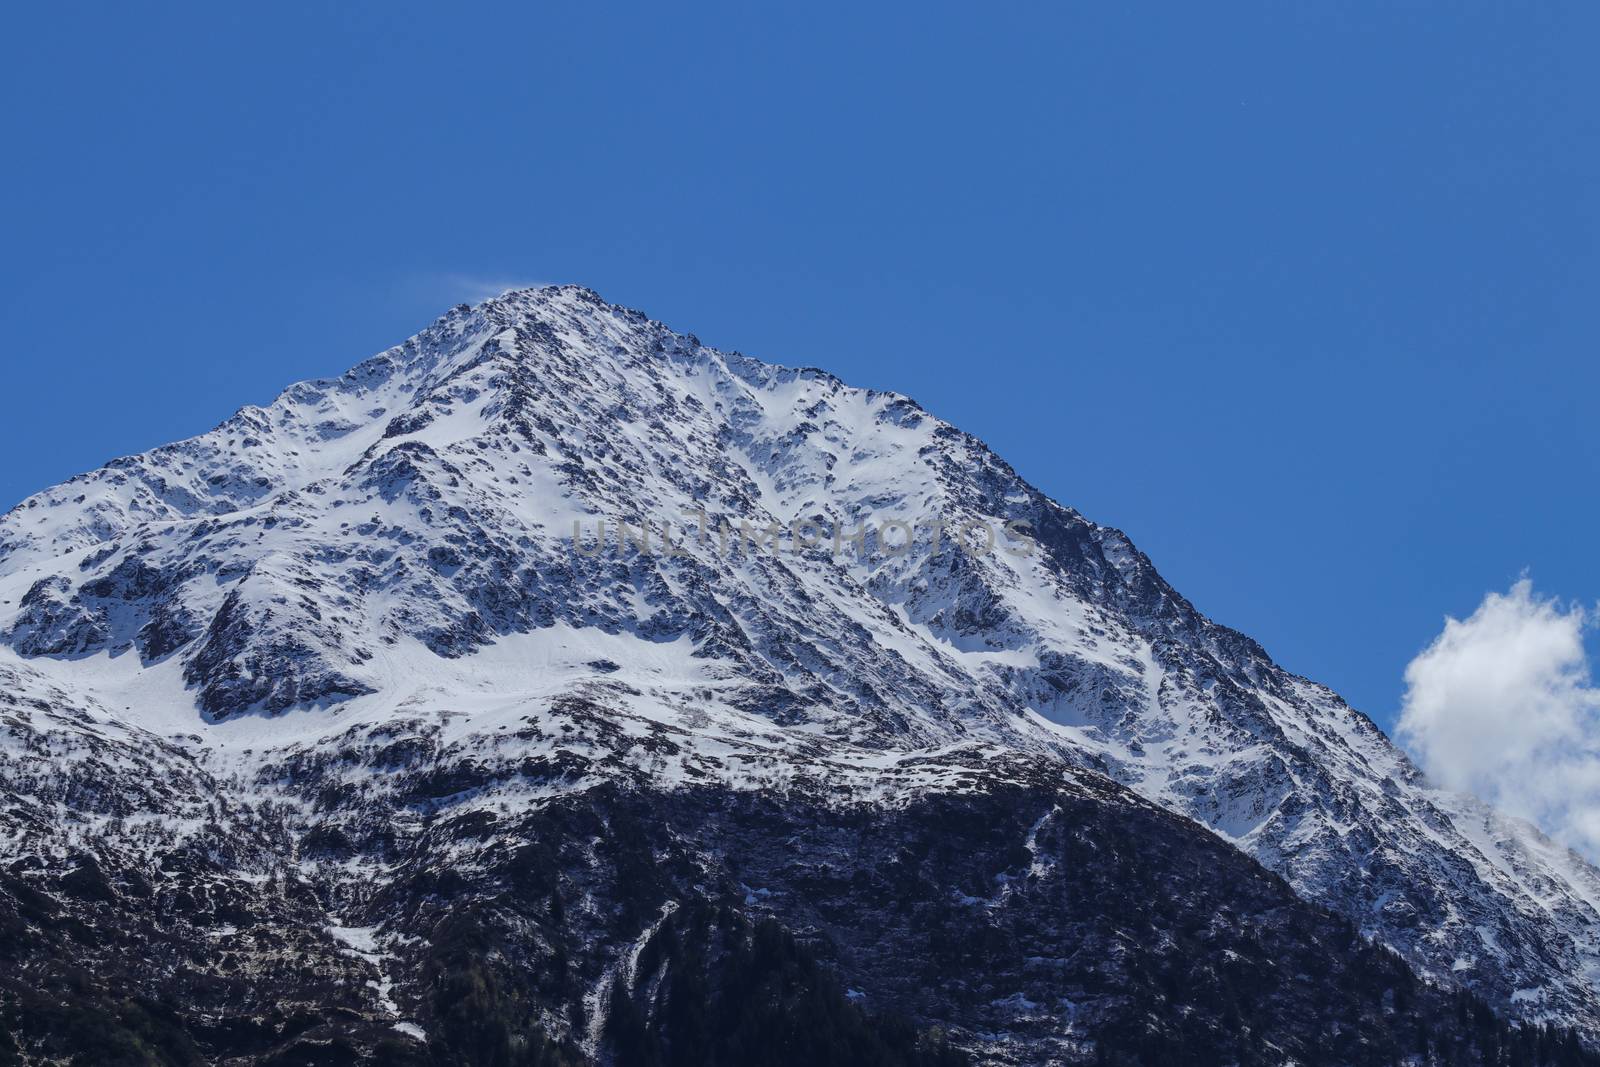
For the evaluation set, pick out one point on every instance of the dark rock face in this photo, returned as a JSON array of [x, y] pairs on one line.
[[53, 623], [347, 732], [245, 661], [1059, 925]]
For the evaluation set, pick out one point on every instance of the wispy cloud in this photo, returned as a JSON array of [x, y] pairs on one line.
[[471, 289], [1503, 704]]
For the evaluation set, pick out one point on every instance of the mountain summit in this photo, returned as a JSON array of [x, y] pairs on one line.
[[554, 688]]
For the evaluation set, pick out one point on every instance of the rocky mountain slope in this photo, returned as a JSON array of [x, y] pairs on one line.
[[545, 686]]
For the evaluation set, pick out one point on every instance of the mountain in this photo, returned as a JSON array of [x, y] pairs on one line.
[[554, 688]]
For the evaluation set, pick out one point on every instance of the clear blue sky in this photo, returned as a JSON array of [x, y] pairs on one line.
[[1303, 296]]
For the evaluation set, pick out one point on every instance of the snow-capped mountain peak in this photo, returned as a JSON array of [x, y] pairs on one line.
[[549, 532]]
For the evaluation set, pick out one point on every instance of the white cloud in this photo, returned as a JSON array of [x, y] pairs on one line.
[[473, 289], [1504, 705]]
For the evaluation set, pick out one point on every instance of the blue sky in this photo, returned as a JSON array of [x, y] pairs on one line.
[[1302, 296]]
